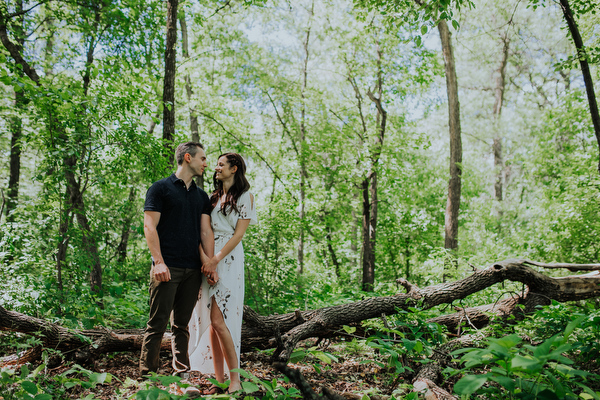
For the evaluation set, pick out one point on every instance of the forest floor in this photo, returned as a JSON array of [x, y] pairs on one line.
[[350, 373]]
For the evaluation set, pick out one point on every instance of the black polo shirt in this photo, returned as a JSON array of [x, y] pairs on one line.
[[179, 225]]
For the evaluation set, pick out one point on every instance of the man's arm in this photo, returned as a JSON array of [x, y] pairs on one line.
[[160, 270], [207, 237]]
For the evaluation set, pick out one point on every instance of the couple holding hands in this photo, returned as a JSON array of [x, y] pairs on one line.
[[191, 235]]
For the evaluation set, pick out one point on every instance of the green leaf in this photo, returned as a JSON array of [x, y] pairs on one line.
[[571, 327], [547, 394], [424, 29], [469, 384], [24, 371], [504, 381], [527, 364], [349, 329], [250, 387], [99, 378], [297, 356], [43, 396], [29, 387]]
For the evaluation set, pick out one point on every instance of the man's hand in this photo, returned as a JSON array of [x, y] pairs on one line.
[[161, 272], [209, 269]]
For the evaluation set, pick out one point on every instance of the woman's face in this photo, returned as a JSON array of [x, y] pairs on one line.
[[224, 170]]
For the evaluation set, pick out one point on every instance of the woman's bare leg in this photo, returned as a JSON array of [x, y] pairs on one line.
[[217, 352], [227, 345]]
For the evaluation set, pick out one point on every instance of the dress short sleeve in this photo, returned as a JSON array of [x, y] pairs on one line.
[[246, 205]]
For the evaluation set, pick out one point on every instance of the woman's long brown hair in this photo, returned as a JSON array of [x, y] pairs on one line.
[[240, 184]]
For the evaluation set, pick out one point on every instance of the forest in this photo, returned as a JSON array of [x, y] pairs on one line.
[[426, 175]]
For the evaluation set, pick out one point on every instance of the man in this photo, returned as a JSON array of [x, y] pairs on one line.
[[178, 233]]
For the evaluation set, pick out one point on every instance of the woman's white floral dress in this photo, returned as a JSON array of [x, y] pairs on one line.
[[228, 291]]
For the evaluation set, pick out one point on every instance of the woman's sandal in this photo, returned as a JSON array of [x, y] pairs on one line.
[[214, 389]]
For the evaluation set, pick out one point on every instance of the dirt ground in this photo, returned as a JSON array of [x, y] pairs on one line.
[[348, 376]]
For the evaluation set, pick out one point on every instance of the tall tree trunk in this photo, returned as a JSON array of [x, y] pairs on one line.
[[73, 185], [585, 69], [370, 235], [500, 83], [63, 244], [126, 228], [454, 184], [49, 46], [407, 258], [194, 129], [368, 257], [303, 155], [169, 82], [16, 125]]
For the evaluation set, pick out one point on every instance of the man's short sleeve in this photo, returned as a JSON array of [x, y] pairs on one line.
[[154, 198], [207, 209]]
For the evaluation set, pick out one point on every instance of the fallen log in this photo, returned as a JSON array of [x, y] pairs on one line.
[[285, 331]]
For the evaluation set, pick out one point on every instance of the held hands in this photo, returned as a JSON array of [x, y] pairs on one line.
[[161, 272], [209, 268]]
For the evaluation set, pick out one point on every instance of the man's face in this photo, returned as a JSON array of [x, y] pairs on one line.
[[198, 163]]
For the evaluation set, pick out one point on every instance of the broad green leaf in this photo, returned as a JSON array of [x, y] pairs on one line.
[[469, 384], [527, 364], [29, 387], [250, 387]]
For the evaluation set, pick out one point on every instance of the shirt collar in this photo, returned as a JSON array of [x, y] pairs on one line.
[[175, 179]]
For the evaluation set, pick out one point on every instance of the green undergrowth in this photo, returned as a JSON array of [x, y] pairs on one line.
[[550, 354]]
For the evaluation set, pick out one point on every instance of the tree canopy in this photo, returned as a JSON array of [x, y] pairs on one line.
[[340, 109]]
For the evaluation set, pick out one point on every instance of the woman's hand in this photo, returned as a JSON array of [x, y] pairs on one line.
[[209, 269]]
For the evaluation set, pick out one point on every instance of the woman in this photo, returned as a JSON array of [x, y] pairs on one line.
[[218, 313]]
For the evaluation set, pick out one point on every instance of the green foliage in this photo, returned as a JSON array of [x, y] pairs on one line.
[[273, 390], [523, 370], [155, 391], [35, 385], [96, 122]]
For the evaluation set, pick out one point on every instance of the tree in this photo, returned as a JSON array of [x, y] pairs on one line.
[[16, 124], [373, 143], [169, 80], [583, 62], [455, 182], [194, 135]]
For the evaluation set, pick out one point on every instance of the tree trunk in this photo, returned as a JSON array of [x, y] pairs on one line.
[[368, 257], [49, 46], [454, 184], [194, 127], [169, 82], [303, 151], [287, 329], [585, 69], [370, 184], [499, 81], [16, 125], [334, 260], [126, 228]]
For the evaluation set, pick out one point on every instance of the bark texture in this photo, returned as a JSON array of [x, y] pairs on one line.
[[16, 125], [454, 184], [369, 188], [585, 68], [169, 81], [194, 126], [285, 331]]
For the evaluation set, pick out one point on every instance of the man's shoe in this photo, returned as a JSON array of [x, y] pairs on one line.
[[192, 392]]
